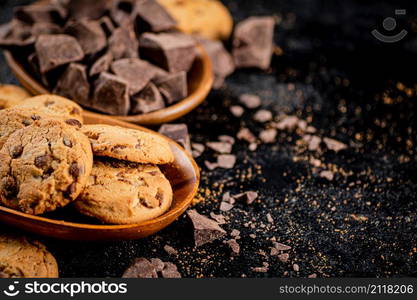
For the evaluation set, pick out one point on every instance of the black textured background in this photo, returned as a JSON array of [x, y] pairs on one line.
[[342, 73]]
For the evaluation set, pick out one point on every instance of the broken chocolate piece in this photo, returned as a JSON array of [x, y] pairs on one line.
[[148, 100], [45, 28], [226, 161], [170, 271], [138, 73], [262, 116], [281, 247], [250, 101], [220, 147], [87, 9], [177, 132], [224, 206], [234, 247], [268, 136], [205, 229], [253, 42], [49, 13], [102, 64], [54, 50], [151, 16], [173, 87], [334, 145], [122, 11], [89, 34], [16, 34], [141, 268], [249, 197], [246, 135], [221, 60], [158, 264], [111, 95], [74, 84], [123, 42], [173, 52], [170, 250]]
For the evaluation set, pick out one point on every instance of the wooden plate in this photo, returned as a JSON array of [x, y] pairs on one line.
[[183, 174], [200, 81]]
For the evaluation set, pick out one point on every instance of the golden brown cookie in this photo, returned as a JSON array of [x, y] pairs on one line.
[[16, 118], [120, 192], [207, 18], [128, 144], [44, 166], [55, 106], [11, 95], [24, 258]]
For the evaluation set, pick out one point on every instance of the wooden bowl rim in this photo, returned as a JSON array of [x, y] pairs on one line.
[[160, 116], [109, 227]]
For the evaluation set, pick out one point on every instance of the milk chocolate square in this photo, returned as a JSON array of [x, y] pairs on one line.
[[123, 43], [111, 95], [54, 50], [136, 72], [74, 84], [151, 16], [148, 100], [253, 42], [89, 34], [173, 52], [173, 87]]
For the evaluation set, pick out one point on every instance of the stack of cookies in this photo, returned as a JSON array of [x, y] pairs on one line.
[[49, 159]]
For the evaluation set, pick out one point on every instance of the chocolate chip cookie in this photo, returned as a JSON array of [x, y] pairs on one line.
[[11, 95], [24, 258], [128, 144], [55, 106], [120, 192], [44, 166]]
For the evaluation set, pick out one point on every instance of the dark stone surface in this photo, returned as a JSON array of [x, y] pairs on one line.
[[330, 56]]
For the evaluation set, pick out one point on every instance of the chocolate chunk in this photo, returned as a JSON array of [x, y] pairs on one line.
[[43, 161], [45, 28], [10, 187], [177, 132], [151, 16], [246, 135], [123, 43], [54, 50], [226, 161], [141, 268], [249, 197], [87, 9], [170, 271], [89, 34], [268, 136], [136, 72], [205, 229], [262, 116], [74, 122], [102, 64], [221, 60], [224, 206], [49, 13], [148, 100], [122, 11], [220, 147], [74, 84], [16, 151], [237, 110], [327, 175], [253, 42], [16, 34], [111, 95], [250, 101], [281, 247], [170, 250], [158, 264], [173, 87], [234, 247], [173, 52]]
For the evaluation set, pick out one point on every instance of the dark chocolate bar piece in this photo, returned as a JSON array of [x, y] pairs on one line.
[[102, 64], [205, 230], [221, 60], [54, 50], [50, 13], [253, 42], [148, 100], [74, 84], [111, 95], [136, 72], [123, 43], [173, 52], [89, 34], [178, 133], [151, 16], [173, 87]]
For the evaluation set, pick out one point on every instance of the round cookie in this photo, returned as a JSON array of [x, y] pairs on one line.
[[128, 144], [11, 95], [207, 18], [24, 258], [16, 118], [44, 166], [54, 105], [143, 192]]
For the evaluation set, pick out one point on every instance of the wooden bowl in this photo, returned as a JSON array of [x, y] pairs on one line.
[[200, 81], [183, 175]]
